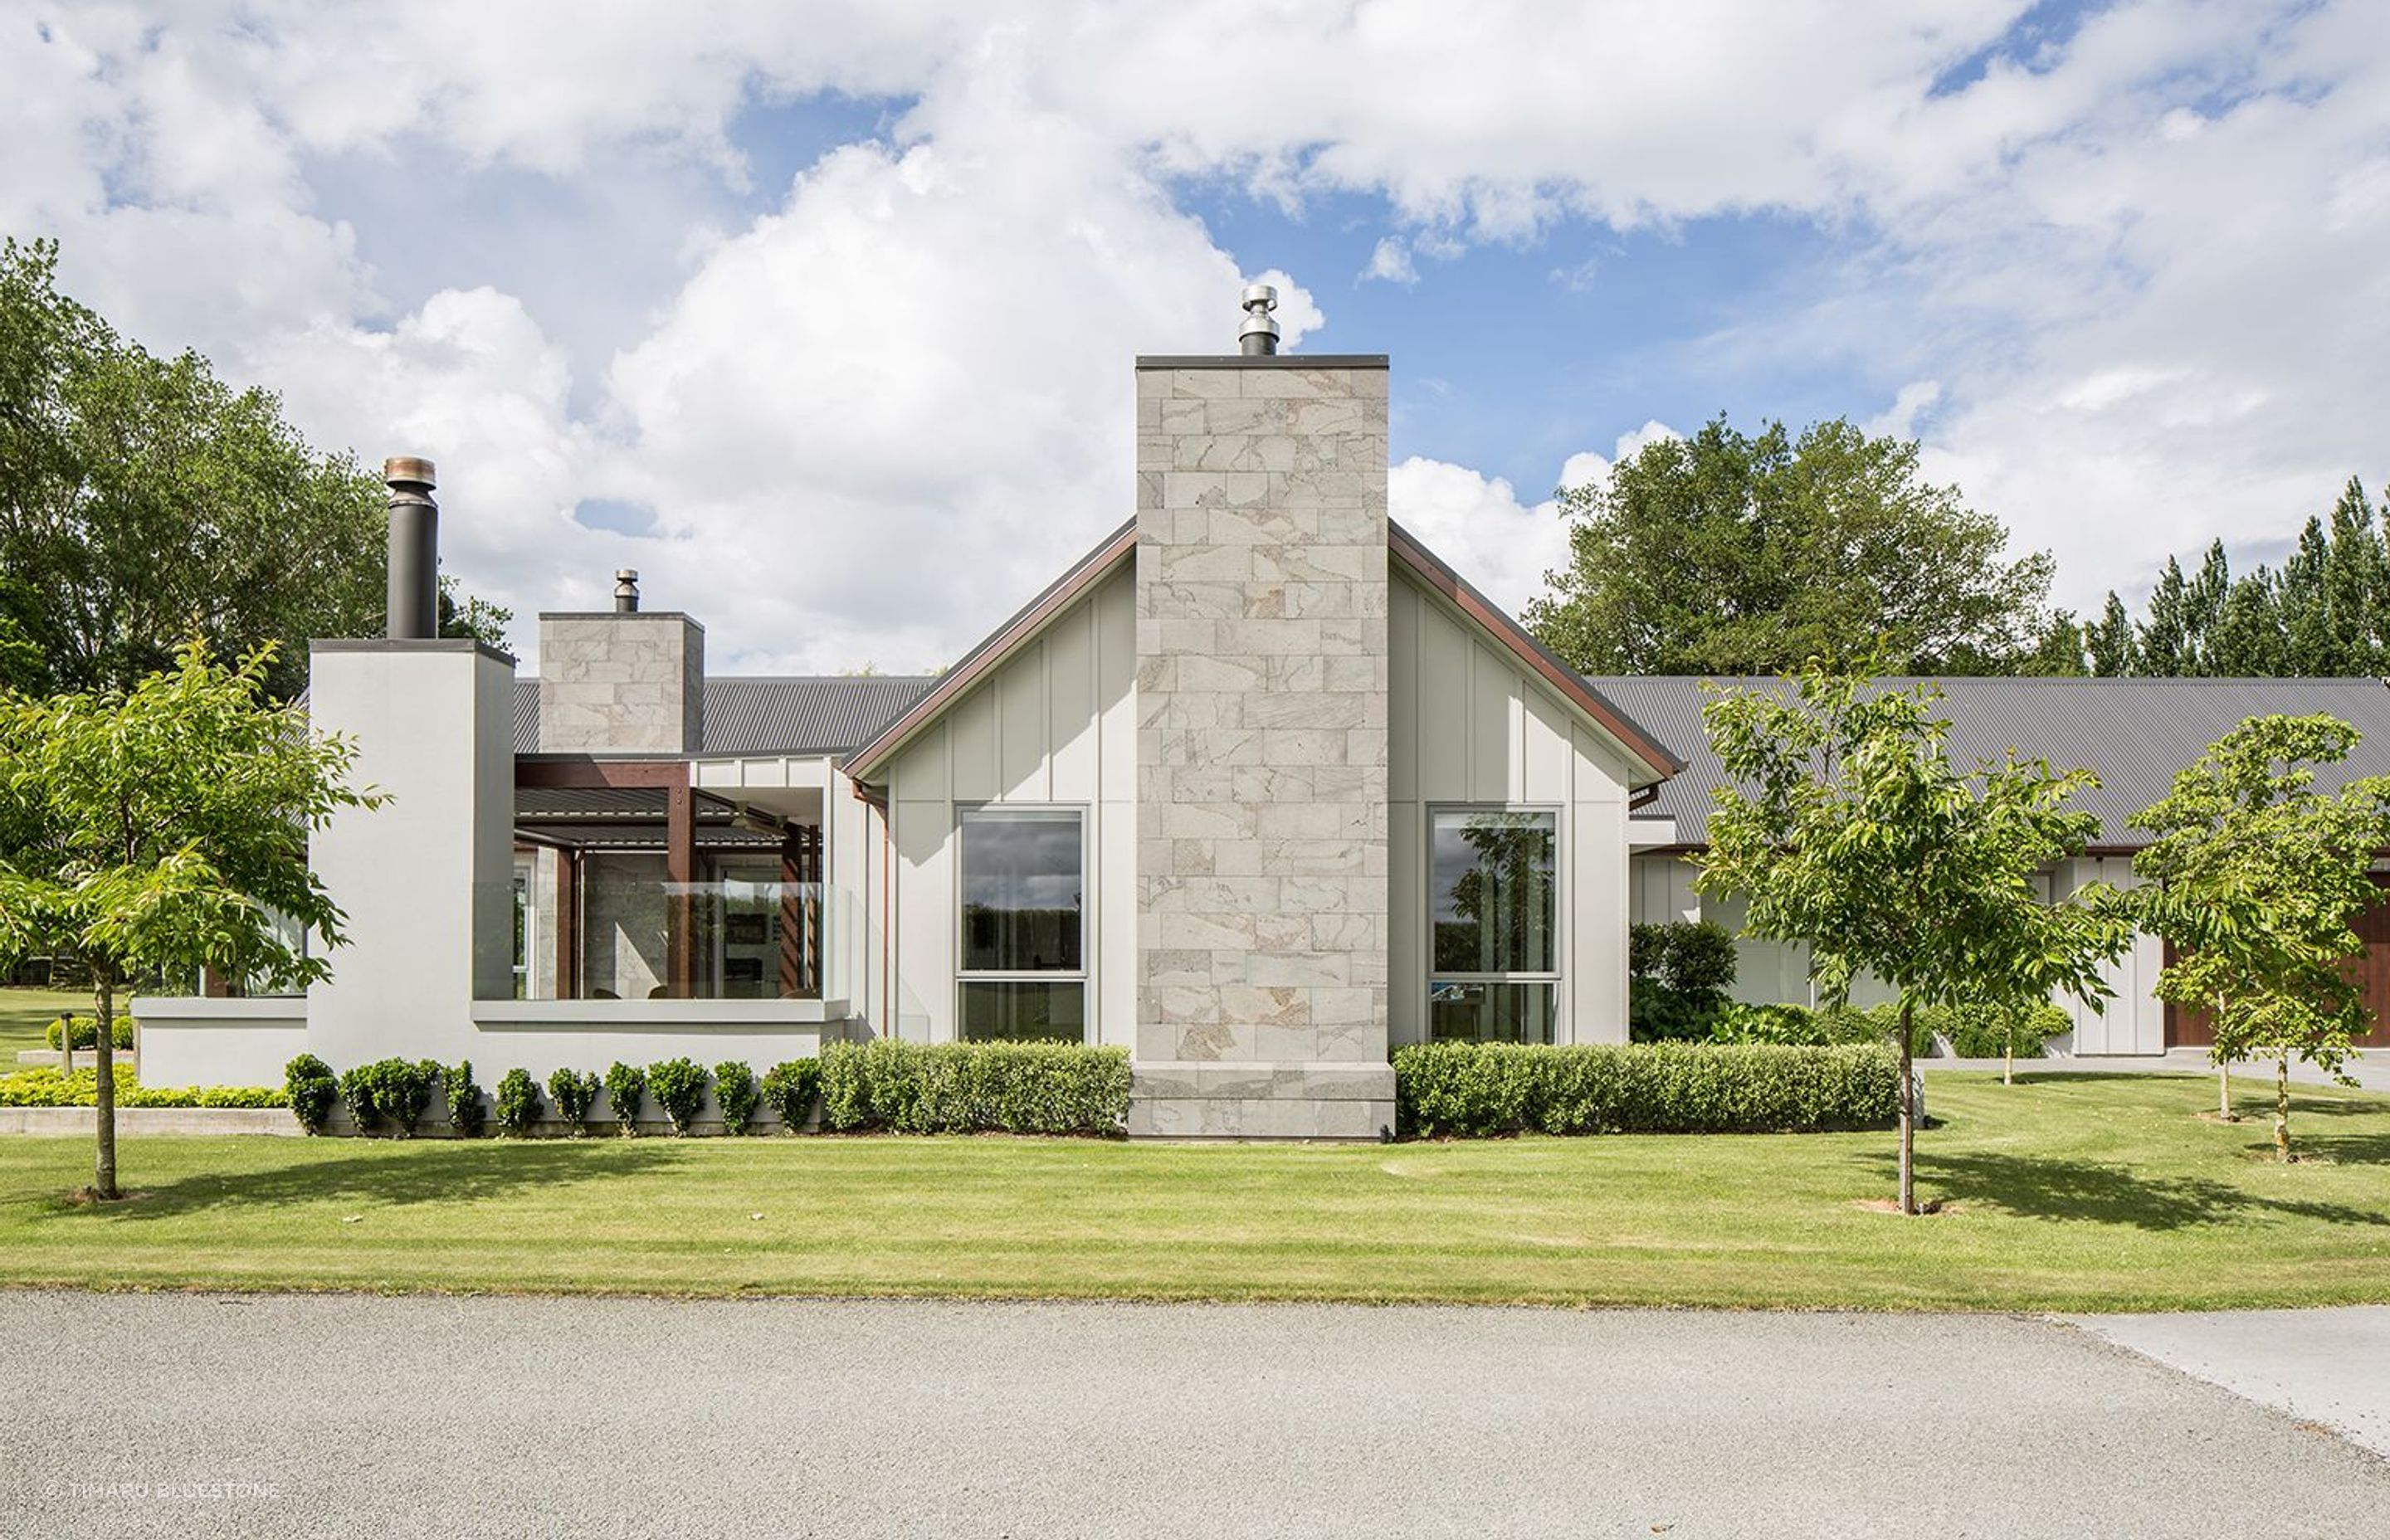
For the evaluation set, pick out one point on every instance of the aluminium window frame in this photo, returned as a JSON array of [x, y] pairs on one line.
[[1084, 975], [1430, 975]]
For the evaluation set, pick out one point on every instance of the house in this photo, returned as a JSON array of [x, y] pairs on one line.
[[1258, 790], [2134, 734]]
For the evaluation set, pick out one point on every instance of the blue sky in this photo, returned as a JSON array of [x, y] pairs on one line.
[[824, 323]]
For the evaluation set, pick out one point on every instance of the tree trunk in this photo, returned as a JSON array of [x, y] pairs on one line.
[[1908, 1112], [2282, 1108], [2008, 1057], [103, 1177], [2223, 1073]]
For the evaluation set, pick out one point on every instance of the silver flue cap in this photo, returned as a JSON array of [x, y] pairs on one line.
[[1259, 334]]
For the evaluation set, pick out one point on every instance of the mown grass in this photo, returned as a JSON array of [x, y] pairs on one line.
[[25, 1014], [2065, 1192]]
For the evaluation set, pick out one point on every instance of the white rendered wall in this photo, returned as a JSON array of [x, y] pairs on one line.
[[1468, 724], [426, 880], [1053, 726], [195, 1040]]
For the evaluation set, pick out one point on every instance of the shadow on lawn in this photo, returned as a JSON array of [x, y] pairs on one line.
[[431, 1172], [2108, 1194]]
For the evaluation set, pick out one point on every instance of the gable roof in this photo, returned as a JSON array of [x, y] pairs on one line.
[[2135, 733], [1580, 691], [1121, 545], [799, 714], [999, 644]]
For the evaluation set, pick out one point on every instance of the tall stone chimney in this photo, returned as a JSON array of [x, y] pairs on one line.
[[1262, 684], [624, 680]]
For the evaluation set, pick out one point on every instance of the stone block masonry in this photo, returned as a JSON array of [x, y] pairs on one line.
[[1262, 748]]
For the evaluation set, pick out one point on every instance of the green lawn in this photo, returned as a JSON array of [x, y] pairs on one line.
[[2070, 1192], [24, 1013]]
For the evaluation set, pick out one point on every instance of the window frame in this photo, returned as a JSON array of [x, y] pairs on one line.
[[1083, 975], [1557, 978]]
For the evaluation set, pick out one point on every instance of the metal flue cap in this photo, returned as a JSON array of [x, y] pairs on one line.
[[1259, 334], [407, 470], [626, 591]]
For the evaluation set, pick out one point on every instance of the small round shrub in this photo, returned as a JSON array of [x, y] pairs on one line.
[[791, 1090], [357, 1092], [466, 1113], [678, 1086], [733, 1089], [517, 1101], [313, 1089], [625, 1084], [575, 1092]]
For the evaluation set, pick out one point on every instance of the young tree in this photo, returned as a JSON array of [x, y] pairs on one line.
[[1729, 552], [2258, 880], [1845, 827], [162, 829]]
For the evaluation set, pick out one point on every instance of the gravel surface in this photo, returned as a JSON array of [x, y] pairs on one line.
[[198, 1416]]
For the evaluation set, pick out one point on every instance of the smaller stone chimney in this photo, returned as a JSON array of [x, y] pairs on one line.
[[621, 681]]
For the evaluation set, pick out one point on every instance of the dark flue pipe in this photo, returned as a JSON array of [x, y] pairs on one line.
[[626, 592], [414, 603]]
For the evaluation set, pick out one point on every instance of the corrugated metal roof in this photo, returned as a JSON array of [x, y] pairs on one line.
[[2135, 733], [795, 715]]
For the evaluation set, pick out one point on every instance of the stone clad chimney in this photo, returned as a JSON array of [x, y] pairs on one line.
[[1262, 749], [624, 680]]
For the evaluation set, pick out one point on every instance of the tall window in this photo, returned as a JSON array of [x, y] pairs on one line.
[[1493, 901], [1023, 974]]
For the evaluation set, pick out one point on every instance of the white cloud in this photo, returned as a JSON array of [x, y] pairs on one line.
[[1478, 524], [2132, 284], [1391, 261]]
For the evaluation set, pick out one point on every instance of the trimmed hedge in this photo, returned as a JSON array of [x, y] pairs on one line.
[[86, 1033], [974, 1087], [1474, 1090], [734, 1091], [518, 1102], [678, 1086], [44, 1086], [311, 1090]]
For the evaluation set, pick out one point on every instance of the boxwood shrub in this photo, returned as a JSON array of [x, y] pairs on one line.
[[575, 1092], [517, 1101], [466, 1113], [791, 1090], [312, 1089], [974, 1087], [1473, 1090], [734, 1091], [678, 1086], [624, 1085]]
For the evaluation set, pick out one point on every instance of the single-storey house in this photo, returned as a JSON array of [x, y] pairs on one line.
[[1258, 790]]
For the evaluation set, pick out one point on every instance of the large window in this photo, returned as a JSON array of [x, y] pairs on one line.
[[1494, 909], [1024, 965]]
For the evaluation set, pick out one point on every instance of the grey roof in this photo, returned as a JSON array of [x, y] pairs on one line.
[[2133, 733], [791, 714]]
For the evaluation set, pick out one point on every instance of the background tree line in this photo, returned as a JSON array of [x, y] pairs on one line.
[[145, 503], [1732, 552]]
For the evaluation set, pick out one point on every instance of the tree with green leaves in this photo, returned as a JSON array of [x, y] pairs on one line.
[[1845, 827], [2257, 880], [142, 499], [1733, 553], [154, 832]]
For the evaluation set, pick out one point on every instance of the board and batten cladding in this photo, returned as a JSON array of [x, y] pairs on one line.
[[1261, 862], [1052, 726], [1471, 725]]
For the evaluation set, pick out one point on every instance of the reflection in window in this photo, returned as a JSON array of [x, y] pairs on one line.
[[1495, 911], [1023, 912]]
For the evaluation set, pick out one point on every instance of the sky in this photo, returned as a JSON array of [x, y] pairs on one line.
[[822, 316]]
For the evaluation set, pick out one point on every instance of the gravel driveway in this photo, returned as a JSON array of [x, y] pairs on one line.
[[194, 1416]]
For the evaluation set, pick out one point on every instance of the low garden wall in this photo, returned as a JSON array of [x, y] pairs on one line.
[[193, 1041]]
